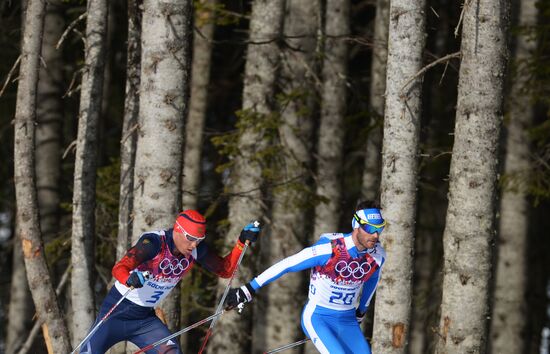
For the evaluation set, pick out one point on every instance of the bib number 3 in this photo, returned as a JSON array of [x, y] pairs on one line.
[[155, 297]]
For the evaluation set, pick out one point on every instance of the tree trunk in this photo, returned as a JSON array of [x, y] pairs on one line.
[[82, 244], [205, 22], [20, 307], [276, 322], [44, 298], [246, 176], [50, 121], [48, 166], [371, 174], [399, 174], [469, 225], [333, 109], [129, 132], [164, 87], [200, 79], [509, 312], [439, 96]]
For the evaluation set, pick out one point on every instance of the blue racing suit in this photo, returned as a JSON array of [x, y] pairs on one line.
[[342, 280]]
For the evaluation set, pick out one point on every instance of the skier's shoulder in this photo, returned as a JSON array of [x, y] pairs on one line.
[[327, 237], [150, 240]]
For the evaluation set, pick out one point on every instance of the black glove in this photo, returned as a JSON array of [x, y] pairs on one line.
[[250, 232], [137, 279], [359, 316], [237, 296]]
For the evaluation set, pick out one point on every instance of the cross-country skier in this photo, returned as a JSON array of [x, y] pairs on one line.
[[167, 255], [341, 266]]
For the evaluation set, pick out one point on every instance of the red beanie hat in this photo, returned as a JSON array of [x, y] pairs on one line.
[[191, 222]]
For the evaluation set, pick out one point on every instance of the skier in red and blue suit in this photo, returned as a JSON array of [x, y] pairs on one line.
[[345, 270], [166, 256]]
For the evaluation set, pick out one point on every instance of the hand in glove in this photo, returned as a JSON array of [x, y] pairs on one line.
[[237, 296], [137, 279], [250, 232], [359, 316]]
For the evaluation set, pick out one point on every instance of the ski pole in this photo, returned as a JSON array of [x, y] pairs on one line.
[[101, 321], [288, 346], [188, 328], [104, 318], [220, 304]]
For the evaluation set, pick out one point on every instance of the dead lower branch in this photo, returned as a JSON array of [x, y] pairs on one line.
[[446, 58], [8, 78]]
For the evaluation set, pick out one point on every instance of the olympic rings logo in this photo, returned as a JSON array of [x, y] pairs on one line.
[[353, 269], [173, 266]]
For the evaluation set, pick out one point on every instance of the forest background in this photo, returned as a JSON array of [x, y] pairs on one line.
[[288, 112]]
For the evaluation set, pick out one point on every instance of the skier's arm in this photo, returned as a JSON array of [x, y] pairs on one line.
[[145, 249], [369, 287], [309, 257], [221, 266], [315, 255], [224, 267]]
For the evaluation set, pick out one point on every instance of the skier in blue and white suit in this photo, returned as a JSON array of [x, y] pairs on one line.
[[345, 270]]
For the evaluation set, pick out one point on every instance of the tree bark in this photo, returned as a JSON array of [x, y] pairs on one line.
[[83, 226], [50, 122], [48, 166], [164, 92], [20, 307], [469, 226], [333, 109], [509, 310], [203, 37], [373, 156], [246, 175], [129, 130], [27, 220], [200, 79], [399, 174], [276, 321]]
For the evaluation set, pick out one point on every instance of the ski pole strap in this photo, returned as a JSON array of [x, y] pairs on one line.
[[288, 346], [188, 328]]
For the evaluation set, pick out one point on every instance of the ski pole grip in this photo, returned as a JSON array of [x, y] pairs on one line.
[[240, 307]]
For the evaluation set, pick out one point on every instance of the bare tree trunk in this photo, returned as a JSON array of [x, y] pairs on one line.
[[48, 159], [20, 307], [276, 322], [83, 235], [128, 142], [509, 312], [129, 130], [29, 340], [246, 175], [432, 201], [203, 36], [44, 298], [333, 109], [399, 174], [50, 121], [469, 225], [370, 187], [373, 156], [165, 78], [200, 79]]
